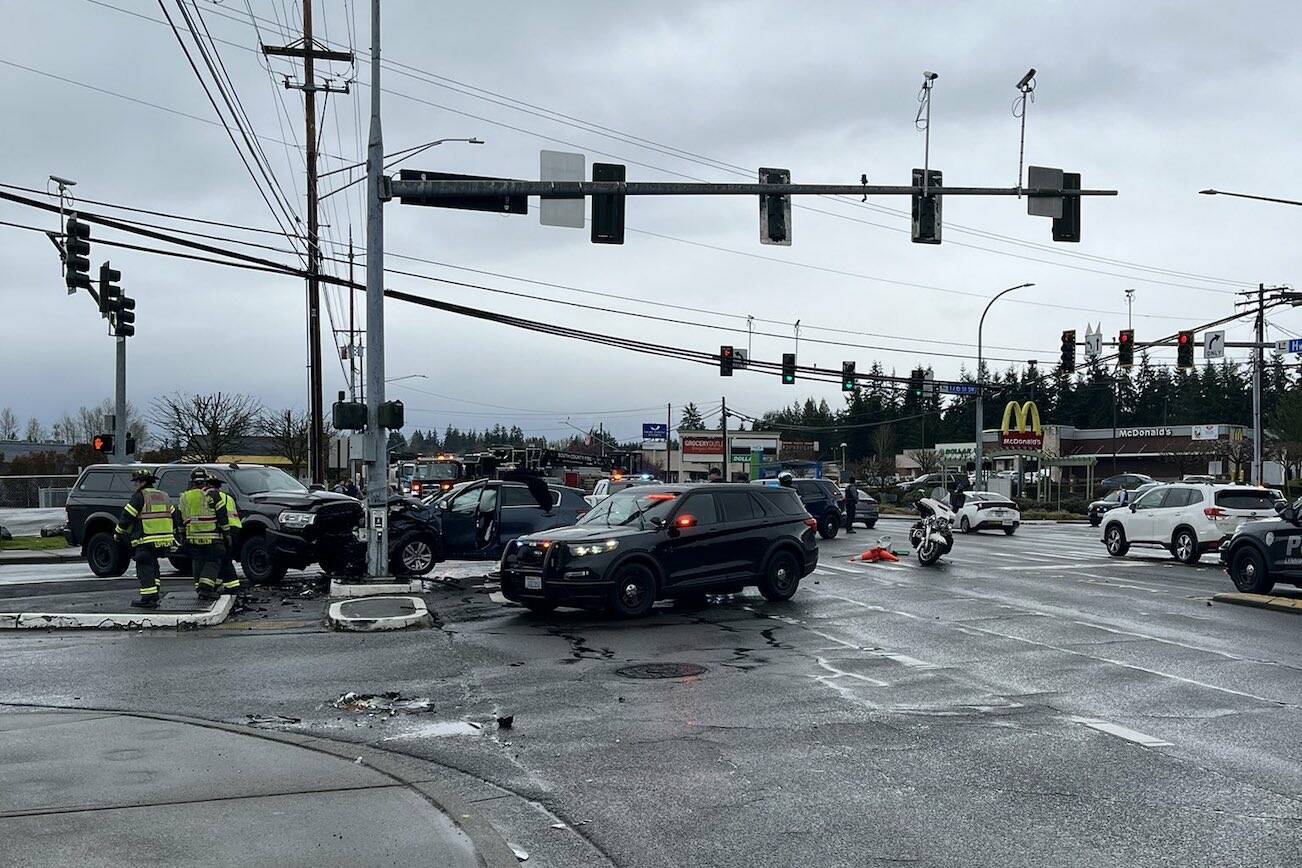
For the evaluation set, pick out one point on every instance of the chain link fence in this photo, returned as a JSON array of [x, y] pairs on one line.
[[35, 491]]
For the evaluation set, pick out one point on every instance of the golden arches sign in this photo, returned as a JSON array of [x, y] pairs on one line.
[[1026, 433]]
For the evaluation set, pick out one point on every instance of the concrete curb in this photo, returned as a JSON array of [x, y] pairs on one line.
[[339, 620], [491, 847], [1292, 605], [24, 558], [374, 589], [143, 619]]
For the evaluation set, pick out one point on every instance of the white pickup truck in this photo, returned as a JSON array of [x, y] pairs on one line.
[[606, 487]]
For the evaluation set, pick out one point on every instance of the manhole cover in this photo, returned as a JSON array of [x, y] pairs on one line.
[[661, 670]]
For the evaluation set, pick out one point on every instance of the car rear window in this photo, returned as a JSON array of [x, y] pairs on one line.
[[786, 501], [105, 480], [736, 505], [1245, 498]]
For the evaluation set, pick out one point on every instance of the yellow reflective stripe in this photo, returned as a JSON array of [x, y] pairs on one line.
[[231, 585], [130, 510], [147, 591]]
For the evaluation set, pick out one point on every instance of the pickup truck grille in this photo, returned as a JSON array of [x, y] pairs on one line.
[[338, 517]]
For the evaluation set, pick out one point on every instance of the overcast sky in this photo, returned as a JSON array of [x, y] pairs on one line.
[[1157, 100]]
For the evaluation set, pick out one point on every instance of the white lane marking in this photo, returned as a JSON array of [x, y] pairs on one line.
[[970, 627], [841, 673], [839, 569], [1130, 565], [1138, 635], [51, 580], [1121, 731]]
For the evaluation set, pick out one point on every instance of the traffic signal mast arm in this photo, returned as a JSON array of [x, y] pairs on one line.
[[417, 190]]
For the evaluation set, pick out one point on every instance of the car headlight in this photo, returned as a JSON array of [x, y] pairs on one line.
[[296, 520], [581, 550]]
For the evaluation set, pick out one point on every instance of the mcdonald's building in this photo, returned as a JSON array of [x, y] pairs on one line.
[[1164, 452]]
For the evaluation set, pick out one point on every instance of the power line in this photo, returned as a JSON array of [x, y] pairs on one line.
[[607, 132]]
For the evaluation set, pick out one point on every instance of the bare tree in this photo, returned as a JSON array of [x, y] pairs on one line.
[[1186, 462], [34, 433], [206, 427], [8, 424], [64, 429], [928, 460], [883, 460], [288, 431]]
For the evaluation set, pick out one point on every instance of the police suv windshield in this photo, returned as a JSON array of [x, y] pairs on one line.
[[260, 480], [631, 507]]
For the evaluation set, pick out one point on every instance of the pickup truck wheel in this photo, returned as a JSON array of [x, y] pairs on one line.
[[260, 568], [781, 578], [106, 557], [828, 527], [870, 523], [1248, 570]]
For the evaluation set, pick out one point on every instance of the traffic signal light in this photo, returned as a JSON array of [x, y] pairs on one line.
[[124, 317], [725, 361], [847, 376], [102, 443], [76, 255], [109, 292], [1067, 362], [1067, 227], [608, 208], [775, 210], [1126, 348], [788, 369], [926, 209], [916, 378], [1184, 346]]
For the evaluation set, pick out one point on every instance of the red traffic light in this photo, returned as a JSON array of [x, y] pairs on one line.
[[727, 352], [1124, 338], [1184, 338]]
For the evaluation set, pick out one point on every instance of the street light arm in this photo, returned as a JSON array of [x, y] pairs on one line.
[[1249, 196], [982, 323]]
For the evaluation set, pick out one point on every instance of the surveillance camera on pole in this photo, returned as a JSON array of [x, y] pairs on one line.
[[1027, 82]]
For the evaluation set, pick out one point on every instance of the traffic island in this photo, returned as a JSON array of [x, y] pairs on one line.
[[176, 611], [374, 614], [114, 788], [378, 587], [1262, 601]]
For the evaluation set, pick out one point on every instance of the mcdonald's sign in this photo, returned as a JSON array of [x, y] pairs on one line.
[[1020, 428]]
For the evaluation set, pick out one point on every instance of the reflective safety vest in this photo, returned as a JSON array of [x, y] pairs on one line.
[[232, 514], [155, 519], [198, 517]]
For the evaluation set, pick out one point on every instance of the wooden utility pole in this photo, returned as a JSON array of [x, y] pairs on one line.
[[306, 49]]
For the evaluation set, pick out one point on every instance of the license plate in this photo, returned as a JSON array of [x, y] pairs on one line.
[[533, 583]]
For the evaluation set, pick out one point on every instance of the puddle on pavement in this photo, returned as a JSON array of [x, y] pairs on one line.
[[438, 729]]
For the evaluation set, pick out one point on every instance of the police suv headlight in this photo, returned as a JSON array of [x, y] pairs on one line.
[[583, 550], [296, 520]]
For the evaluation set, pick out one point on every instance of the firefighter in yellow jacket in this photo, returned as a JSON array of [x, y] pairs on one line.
[[225, 551], [201, 520], [147, 521]]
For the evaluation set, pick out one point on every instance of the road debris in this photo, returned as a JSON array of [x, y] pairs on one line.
[[505, 721], [391, 702]]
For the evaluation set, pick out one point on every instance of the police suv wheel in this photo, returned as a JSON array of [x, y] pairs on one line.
[[634, 592], [829, 526], [781, 579], [1248, 570]]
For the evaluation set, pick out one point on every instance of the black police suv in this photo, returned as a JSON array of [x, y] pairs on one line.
[[263, 496], [822, 499], [660, 541], [1263, 552]]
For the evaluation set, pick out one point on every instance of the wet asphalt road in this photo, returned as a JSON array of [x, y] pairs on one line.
[[1030, 701]]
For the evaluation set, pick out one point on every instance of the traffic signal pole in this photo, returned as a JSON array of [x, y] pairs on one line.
[[377, 464], [1258, 361], [120, 405]]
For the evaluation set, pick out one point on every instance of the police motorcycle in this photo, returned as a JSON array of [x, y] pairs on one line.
[[931, 535]]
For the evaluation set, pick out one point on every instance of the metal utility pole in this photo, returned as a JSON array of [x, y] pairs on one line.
[[377, 468], [120, 405], [669, 441], [1258, 361], [352, 328], [726, 453], [309, 54]]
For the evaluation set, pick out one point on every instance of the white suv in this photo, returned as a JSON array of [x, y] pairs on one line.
[[1187, 519]]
